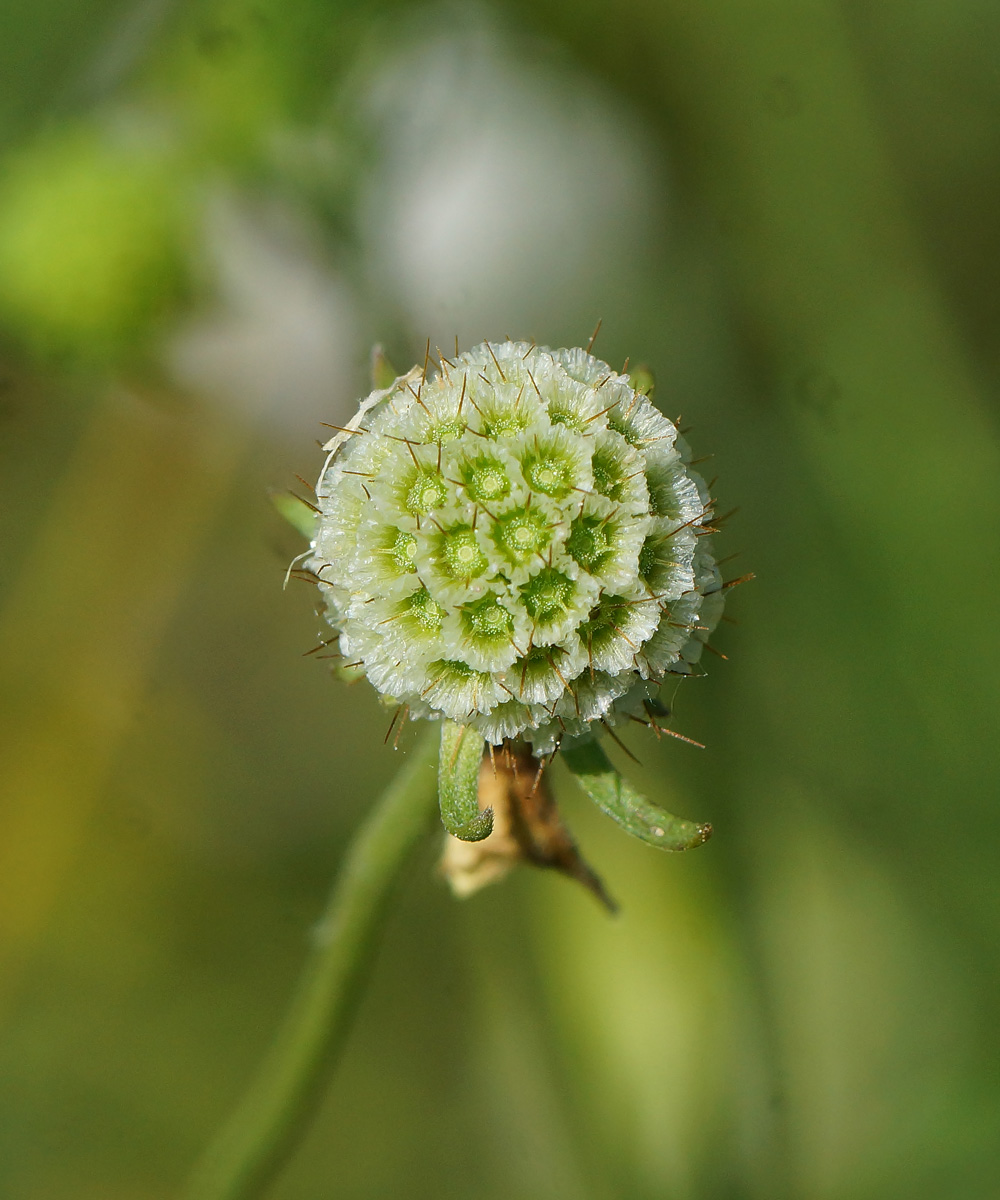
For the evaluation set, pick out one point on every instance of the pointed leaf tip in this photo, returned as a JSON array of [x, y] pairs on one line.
[[619, 799], [384, 374], [296, 512]]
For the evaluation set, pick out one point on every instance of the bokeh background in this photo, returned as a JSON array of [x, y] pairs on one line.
[[209, 211]]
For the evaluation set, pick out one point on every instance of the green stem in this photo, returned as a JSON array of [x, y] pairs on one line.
[[272, 1116]]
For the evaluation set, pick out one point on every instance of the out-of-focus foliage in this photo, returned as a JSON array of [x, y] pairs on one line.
[[91, 243], [208, 212]]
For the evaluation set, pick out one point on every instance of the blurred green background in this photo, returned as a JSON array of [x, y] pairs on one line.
[[209, 210]]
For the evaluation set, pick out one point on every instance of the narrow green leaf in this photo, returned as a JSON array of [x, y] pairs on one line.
[[296, 512], [458, 783], [384, 374], [619, 799]]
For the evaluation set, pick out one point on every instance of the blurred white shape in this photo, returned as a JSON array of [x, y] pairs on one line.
[[511, 194], [281, 342]]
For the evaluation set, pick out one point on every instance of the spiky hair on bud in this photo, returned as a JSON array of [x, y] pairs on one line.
[[514, 540]]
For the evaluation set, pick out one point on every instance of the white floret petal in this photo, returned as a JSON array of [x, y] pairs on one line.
[[513, 539]]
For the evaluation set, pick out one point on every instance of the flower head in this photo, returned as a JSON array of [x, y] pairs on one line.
[[514, 540]]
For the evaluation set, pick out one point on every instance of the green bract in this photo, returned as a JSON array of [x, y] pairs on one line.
[[514, 540]]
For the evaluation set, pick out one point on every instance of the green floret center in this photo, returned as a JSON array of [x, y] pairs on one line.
[[537, 664], [447, 431], [402, 550], [547, 595], [589, 542], [606, 623], [561, 413], [453, 668], [498, 423], [488, 619], [620, 422], [486, 481], [522, 534], [462, 555], [651, 560], [549, 474], [426, 492], [609, 479], [610, 614], [423, 611], [450, 672]]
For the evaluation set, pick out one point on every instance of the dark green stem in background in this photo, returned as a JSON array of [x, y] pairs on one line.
[[263, 1131]]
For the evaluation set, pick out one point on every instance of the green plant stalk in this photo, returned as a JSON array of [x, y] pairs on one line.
[[273, 1115]]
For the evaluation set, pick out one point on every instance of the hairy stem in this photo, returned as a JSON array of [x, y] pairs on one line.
[[274, 1113]]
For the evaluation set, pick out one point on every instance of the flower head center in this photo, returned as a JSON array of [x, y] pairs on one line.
[[548, 475], [462, 555], [547, 594], [489, 619], [522, 533], [447, 431], [427, 491], [403, 550], [422, 608], [490, 484], [589, 541], [501, 423], [609, 479], [486, 479]]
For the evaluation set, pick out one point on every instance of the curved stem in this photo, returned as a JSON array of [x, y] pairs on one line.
[[261, 1134]]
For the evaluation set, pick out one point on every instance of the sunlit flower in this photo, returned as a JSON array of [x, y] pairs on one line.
[[513, 539]]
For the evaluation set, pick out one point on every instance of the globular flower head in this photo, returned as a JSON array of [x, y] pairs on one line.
[[514, 540]]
